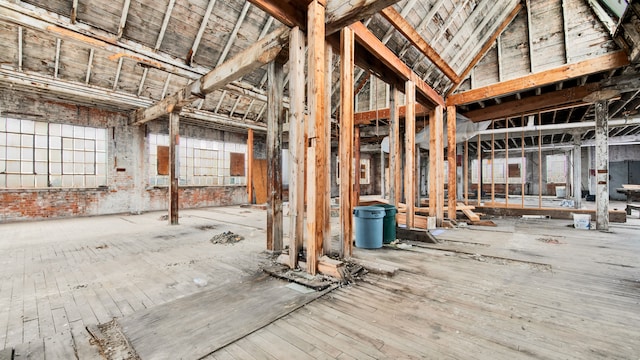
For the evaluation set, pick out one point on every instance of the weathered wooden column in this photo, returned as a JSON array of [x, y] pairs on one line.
[[250, 166], [577, 171], [174, 167], [395, 159], [602, 165], [275, 90], [410, 156], [316, 152], [296, 143], [328, 83], [346, 141], [436, 165], [452, 162]]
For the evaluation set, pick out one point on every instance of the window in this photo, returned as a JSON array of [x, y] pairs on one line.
[[201, 162], [37, 154]]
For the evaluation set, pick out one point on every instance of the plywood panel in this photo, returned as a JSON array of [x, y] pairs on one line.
[[237, 164], [260, 180]]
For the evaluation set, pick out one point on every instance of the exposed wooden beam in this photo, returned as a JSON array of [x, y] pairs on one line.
[[174, 185], [410, 149], [346, 141], [542, 102], [530, 36], [275, 114], [370, 42], [602, 63], [56, 67], [141, 86], [316, 147], [234, 33], [261, 53], [165, 23], [423, 24], [167, 81], [89, 67], [366, 117], [296, 144], [405, 28], [452, 163], [290, 13], [123, 18], [565, 31], [74, 11], [488, 44], [203, 27], [112, 98], [395, 153]]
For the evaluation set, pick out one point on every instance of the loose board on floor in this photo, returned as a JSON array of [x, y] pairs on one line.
[[197, 325]]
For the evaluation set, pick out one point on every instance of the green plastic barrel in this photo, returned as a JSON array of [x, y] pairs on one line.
[[388, 223], [368, 226]]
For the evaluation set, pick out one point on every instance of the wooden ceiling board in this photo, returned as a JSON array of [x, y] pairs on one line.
[[103, 15], [9, 38], [103, 71], [183, 27], [38, 52], [61, 7], [145, 21], [130, 76], [547, 34], [73, 61]]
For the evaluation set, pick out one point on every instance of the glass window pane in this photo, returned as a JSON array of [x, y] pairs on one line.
[[101, 181], [26, 154], [42, 181], [27, 140], [78, 144], [41, 168], [78, 132], [89, 144], [3, 139], [56, 181], [78, 156], [67, 131], [78, 168], [13, 125], [3, 181], [26, 167], [27, 127], [55, 168], [89, 169], [3, 124], [28, 181], [101, 158], [67, 156], [13, 139], [101, 169], [41, 141], [13, 153], [55, 142], [42, 128], [90, 181], [67, 143], [89, 157], [78, 181], [55, 155], [101, 134], [89, 133], [13, 167], [67, 168], [100, 146], [55, 129], [13, 181], [67, 181], [41, 154]]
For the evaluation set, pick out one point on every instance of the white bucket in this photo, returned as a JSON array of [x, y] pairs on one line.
[[431, 222], [582, 221]]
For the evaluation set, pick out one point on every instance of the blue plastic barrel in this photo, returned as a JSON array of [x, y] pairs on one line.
[[368, 226]]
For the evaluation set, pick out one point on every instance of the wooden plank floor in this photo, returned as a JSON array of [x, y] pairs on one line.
[[195, 326], [578, 298]]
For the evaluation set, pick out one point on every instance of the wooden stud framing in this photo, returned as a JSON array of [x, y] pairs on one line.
[[346, 141], [250, 166], [479, 151], [439, 155], [410, 157], [452, 162], [328, 81], [466, 172], [316, 157], [395, 158], [174, 166], [296, 144], [356, 157], [275, 91]]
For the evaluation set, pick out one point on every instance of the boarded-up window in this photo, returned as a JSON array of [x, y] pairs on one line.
[[237, 164], [163, 160], [514, 170]]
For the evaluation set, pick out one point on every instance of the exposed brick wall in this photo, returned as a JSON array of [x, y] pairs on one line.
[[127, 168]]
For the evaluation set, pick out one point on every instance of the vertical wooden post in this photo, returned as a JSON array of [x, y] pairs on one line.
[[250, 166], [465, 169], [356, 156], [410, 146], [523, 175], [296, 143], [479, 151], [317, 158], [539, 163], [174, 166], [506, 166], [395, 183], [602, 165], [493, 165], [452, 161], [275, 77], [439, 155], [328, 82], [346, 141], [577, 171]]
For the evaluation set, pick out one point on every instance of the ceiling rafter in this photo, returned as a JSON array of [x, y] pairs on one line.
[[165, 24], [56, 67], [89, 67], [123, 18], [117, 77], [74, 11], [405, 28], [203, 27], [422, 26]]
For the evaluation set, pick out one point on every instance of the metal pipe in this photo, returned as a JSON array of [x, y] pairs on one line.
[[576, 125]]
